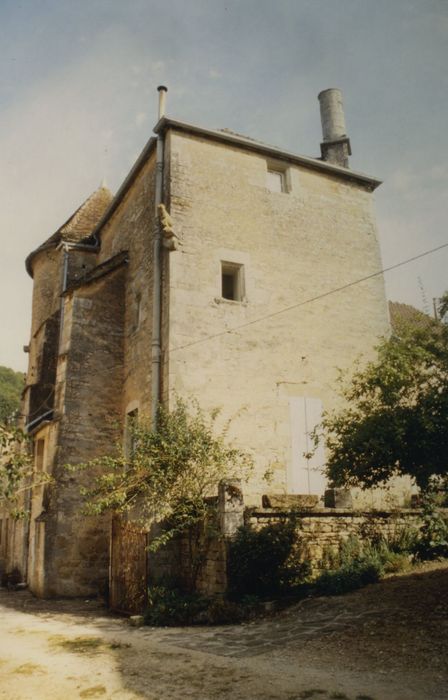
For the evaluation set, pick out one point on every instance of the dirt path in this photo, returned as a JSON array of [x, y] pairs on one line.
[[386, 642]]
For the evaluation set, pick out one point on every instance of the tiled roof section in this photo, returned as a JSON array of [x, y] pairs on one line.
[[81, 224], [79, 227], [407, 315]]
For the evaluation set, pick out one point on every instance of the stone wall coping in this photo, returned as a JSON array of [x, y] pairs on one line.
[[334, 512]]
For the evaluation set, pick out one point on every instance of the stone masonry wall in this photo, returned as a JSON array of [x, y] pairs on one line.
[[322, 529], [131, 229], [89, 391], [294, 246]]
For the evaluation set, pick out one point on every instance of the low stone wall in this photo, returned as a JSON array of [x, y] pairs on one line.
[[320, 528], [326, 528]]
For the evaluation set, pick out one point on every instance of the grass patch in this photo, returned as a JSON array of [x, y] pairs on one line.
[[29, 669], [93, 692], [85, 645], [118, 645], [78, 645]]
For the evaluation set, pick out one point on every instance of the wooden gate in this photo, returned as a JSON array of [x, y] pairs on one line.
[[128, 567]]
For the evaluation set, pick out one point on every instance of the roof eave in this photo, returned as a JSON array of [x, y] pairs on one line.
[[54, 245], [166, 123]]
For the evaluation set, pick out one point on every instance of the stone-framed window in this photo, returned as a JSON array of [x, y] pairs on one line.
[[277, 177], [232, 281]]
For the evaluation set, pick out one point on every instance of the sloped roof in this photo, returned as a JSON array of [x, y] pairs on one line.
[[80, 226]]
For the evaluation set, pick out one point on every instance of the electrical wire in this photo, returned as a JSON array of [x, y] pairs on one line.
[[310, 300]]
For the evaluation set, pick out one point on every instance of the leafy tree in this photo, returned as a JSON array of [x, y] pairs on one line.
[[442, 308], [17, 473], [15, 466], [396, 417], [169, 474], [11, 386]]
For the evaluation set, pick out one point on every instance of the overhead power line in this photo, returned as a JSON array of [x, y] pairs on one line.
[[310, 300]]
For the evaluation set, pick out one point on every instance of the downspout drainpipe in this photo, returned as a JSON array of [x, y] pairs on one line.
[[65, 248], [156, 346]]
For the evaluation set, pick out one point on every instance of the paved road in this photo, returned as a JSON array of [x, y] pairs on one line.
[[311, 619]]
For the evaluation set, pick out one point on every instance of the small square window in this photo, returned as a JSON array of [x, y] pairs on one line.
[[275, 180], [232, 281]]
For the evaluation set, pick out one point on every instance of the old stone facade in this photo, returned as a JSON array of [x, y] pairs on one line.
[[242, 297]]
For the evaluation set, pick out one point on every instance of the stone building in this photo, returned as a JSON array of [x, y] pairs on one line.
[[222, 270]]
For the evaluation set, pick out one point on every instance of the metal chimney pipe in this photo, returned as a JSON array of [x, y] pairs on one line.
[[336, 146], [162, 100], [332, 114]]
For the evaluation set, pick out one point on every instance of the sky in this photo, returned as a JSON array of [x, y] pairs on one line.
[[78, 101]]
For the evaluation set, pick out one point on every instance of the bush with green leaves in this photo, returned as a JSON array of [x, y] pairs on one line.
[[432, 542], [348, 578], [266, 562], [11, 387], [356, 564], [404, 540], [395, 418], [167, 476], [171, 607]]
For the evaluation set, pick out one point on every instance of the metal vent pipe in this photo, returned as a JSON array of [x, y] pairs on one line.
[[162, 100]]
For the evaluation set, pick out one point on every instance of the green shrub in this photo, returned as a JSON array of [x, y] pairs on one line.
[[225, 612], [266, 562], [396, 562], [433, 539], [353, 566], [348, 578], [171, 607], [404, 540], [356, 564]]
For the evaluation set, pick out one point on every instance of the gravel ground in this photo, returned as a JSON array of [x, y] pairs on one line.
[[388, 641]]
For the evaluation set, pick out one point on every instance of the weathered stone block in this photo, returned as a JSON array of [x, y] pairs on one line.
[[231, 506], [288, 501], [338, 498]]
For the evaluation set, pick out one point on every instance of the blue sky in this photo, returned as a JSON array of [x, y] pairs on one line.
[[78, 101]]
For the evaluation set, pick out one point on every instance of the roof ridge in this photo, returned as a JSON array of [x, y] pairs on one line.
[[80, 225], [82, 208]]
